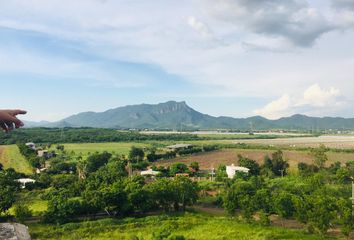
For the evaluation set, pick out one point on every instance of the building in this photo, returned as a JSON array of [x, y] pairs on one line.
[[45, 154], [24, 181], [149, 172], [231, 170], [179, 146], [31, 145]]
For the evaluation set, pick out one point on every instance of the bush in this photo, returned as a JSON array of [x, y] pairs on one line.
[[22, 212]]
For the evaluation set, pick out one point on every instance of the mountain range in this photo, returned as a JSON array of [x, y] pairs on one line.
[[179, 116]]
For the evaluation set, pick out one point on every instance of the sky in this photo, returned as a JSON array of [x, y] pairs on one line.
[[236, 58]]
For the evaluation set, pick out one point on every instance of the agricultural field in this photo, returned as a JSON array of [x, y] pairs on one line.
[[228, 156], [190, 226], [10, 157], [112, 147], [331, 141]]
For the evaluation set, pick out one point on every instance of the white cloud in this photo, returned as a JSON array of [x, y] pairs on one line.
[[200, 27], [160, 33], [317, 97], [276, 108], [314, 101]]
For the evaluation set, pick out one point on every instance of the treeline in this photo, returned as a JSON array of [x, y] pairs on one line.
[[86, 135], [105, 187], [319, 197]]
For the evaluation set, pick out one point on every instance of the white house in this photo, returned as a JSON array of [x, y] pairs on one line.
[[149, 172], [231, 170], [24, 181]]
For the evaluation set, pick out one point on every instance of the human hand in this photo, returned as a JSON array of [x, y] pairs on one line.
[[9, 121]]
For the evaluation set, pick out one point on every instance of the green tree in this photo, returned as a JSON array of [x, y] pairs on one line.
[[346, 220], [97, 160], [178, 168], [136, 154], [22, 212], [283, 204], [320, 157], [252, 165], [279, 165], [186, 192], [321, 212]]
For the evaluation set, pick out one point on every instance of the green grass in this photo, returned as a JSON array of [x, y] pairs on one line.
[[33, 200], [191, 226], [10, 157], [112, 147]]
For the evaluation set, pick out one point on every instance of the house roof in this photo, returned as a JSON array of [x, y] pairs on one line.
[[149, 172], [180, 145], [26, 180]]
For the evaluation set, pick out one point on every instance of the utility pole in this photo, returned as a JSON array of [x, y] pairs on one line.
[[212, 174]]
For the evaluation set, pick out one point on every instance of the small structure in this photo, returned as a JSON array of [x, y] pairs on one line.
[[231, 170], [182, 175], [45, 154], [40, 170], [24, 181], [31, 145], [149, 172], [179, 146], [14, 231]]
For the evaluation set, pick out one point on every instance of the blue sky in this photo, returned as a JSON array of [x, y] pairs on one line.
[[223, 57]]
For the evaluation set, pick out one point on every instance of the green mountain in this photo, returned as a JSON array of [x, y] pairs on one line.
[[178, 115]]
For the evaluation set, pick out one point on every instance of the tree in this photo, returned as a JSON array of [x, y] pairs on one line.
[[178, 168], [194, 166], [283, 204], [162, 192], [221, 172], [345, 209], [252, 165], [61, 208], [136, 154], [22, 212], [320, 156], [8, 188], [307, 169], [97, 160], [234, 197], [186, 192], [321, 211], [279, 164]]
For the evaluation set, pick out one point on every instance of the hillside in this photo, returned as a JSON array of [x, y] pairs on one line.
[[178, 115]]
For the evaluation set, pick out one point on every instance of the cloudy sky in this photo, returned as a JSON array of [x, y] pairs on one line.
[[237, 58]]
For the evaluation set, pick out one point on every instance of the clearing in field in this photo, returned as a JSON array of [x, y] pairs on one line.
[[10, 157], [228, 156]]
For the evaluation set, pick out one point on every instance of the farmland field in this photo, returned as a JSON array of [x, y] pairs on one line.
[[191, 226], [229, 156], [118, 147], [340, 142], [11, 157]]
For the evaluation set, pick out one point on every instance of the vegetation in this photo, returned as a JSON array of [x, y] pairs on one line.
[[78, 186], [176, 226]]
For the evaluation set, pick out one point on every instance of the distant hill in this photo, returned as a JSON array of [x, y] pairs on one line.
[[178, 115]]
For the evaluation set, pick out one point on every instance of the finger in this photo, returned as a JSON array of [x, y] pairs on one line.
[[3, 126], [18, 123], [18, 111], [10, 126]]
